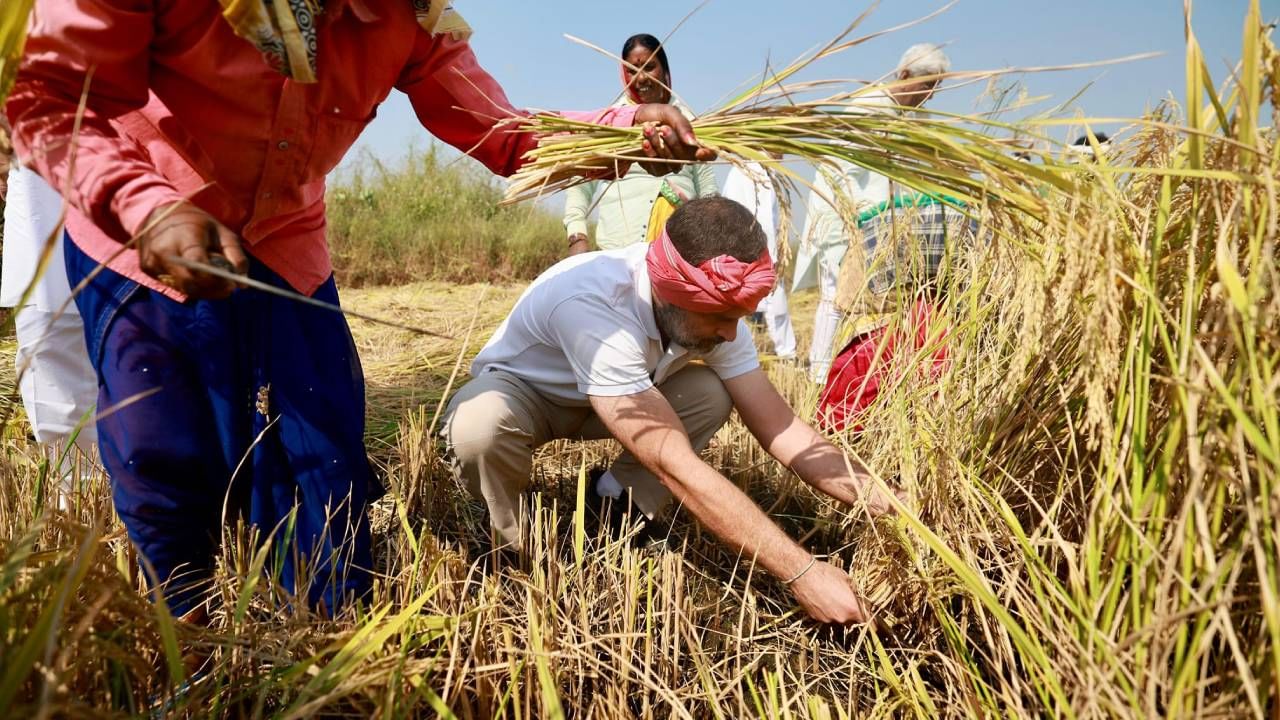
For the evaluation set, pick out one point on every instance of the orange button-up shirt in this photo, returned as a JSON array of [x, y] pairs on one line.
[[179, 107]]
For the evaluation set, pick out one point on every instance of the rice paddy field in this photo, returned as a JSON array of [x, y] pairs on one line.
[[1090, 530]]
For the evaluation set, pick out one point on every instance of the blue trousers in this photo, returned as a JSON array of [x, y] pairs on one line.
[[247, 407]]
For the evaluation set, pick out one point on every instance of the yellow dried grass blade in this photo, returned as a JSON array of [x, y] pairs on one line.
[[580, 517], [1040, 664], [13, 35], [1195, 94], [547, 688]]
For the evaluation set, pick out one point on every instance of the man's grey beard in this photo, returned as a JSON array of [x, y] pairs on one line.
[[674, 324]]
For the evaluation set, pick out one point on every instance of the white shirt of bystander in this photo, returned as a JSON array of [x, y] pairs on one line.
[[32, 215], [826, 234], [57, 381]]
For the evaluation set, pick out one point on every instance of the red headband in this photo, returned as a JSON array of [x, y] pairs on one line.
[[717, 285]]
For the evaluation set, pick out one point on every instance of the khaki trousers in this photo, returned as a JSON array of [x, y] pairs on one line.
[[496, 421]]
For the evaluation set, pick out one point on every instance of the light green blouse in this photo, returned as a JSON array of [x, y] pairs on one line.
[[623, 206]]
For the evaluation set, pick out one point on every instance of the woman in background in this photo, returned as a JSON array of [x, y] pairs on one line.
[[635, 207]]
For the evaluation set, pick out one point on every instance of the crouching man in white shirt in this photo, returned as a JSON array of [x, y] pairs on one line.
[[599, 346]]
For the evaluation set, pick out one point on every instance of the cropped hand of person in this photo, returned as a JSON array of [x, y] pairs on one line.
[[185, 231], [668, 136], [878, 499], [827, 596], [578, 244]]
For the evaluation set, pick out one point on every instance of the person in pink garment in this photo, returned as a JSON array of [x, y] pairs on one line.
[[208, 130]]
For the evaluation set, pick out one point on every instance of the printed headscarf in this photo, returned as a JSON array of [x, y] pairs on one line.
[[285, 30]]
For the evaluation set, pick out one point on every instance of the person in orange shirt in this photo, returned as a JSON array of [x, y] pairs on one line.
[[208, 130]]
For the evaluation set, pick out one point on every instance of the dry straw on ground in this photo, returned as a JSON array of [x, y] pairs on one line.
[[1091, 532]]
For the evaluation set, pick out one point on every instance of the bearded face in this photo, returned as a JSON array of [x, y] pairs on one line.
[[698, 332]]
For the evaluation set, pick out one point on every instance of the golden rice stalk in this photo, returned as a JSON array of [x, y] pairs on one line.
[[13, 34]]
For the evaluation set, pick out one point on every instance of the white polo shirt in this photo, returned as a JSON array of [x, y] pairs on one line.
[[586, 327]]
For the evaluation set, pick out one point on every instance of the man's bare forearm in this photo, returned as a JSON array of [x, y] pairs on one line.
[[821, 589], [824, 467], [798, 446], [727, 512], [819, 463], [648, 428], [828, 469]]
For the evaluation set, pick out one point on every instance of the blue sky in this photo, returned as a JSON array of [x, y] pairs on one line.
[[726, 42]]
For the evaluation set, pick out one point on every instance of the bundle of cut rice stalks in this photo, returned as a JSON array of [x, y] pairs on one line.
[[969, 160]]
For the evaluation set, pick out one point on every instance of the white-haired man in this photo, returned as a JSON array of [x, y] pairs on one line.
[[849, 190]]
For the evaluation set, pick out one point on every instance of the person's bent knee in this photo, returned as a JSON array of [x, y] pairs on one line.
[[708, 399], [468, 438], [479, 425], [719, 404]]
